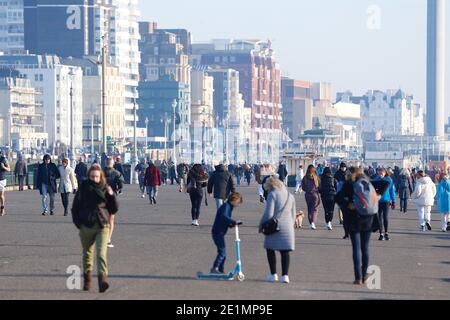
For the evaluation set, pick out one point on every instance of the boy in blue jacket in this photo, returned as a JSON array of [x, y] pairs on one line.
[[387, 201], [220, 228]]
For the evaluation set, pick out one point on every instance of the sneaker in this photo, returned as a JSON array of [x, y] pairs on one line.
[[428, 226], [154, 200], [423, 228], [272, 278], [444, 229], [110, 245], [196, 223], [381, 238], [261, 199], [285, 279], [329, 226], [151, 200], [44, 213], [386, 237], [52, 213], [358, 282], [345, 237], [143, 196], [193, 223], [215, 271], [313, 226]]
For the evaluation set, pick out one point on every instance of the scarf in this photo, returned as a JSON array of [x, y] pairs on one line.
[[97, 188]]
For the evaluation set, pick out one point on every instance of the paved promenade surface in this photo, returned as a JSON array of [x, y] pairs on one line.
[[158, 254]]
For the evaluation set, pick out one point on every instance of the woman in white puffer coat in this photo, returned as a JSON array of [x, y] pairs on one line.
[[424, 195]]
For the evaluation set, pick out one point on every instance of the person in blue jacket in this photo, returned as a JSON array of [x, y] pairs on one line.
[[220, 228], [443, 200], [387, 201]]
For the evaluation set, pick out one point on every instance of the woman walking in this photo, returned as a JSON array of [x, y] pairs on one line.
[[164, 168], [311, 184], [152, 181], [423, 196], [298, 179], [360, 227], [328, 192], [94, 205], [196, 182], [405, 189], [68, 184], [443, 200], [387, 202], [281, 206]]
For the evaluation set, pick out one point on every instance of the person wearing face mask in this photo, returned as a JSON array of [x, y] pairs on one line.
[[47, 174], [68, 183], [93, 208]]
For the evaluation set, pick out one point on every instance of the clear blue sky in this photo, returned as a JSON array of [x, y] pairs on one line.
[[319, 40]]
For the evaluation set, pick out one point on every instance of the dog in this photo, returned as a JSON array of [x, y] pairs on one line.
[[299, 220]]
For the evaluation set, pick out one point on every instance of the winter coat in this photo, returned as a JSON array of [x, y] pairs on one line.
[[114, 179], [221, 182], [198, 181], [119, 167], [327, 187], [443, 196], [68, 182], [223, 219], [404, 182], [47, 174], [182, 170], [389, 195], [276, 201], [282, 172], [88, 206], [424, 192], [81, 170], [354, 221], [152, 176], [21, 168]]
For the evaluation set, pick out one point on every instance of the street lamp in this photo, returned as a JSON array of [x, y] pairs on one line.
[[71, 149], [203, 135], [174, 107], [146, 135], [133, 174]]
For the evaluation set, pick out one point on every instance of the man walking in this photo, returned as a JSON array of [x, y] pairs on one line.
[[81, 171], [47, 174], [222, 184], [20, 171]]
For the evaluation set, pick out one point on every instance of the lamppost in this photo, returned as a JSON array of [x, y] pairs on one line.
[[203, 135], [103, 63], [174, 107], [71, 149], [146, 135], [133, 174]]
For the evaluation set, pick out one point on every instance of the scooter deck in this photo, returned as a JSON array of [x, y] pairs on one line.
[[205, 276]]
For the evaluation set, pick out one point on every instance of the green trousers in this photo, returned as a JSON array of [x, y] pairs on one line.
[[95, 238]]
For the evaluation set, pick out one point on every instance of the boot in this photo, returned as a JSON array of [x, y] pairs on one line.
[[87, 281], [103, 284]]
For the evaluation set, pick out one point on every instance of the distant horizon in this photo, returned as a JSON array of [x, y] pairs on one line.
[[321, 40]]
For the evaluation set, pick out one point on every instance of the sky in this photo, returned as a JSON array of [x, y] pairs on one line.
[[356, 45]]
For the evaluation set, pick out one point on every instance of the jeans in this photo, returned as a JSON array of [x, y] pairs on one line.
[[403, 194], [238, 180], [141, 183], [298, 186], [219, 241], [424, 214], [65, 201], [196, 201], [360, 246], [46, 193], [219, 203], [99, 237], [383, 216], [152, 192], [285, 261], [328, 205]]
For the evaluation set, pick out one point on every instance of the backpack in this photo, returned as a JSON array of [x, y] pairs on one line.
[[365, 198]]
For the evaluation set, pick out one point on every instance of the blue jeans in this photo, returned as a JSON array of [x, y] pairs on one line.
[[46, 192], [360, 245], [219, 203], [219, 241]]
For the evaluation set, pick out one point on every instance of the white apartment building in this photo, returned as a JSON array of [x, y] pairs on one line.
[[54, 83], [11, 26]]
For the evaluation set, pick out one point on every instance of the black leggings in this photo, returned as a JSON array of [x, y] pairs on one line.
[[196, 201], [65, 200], [285, 260], [328, 205], [383, 216]]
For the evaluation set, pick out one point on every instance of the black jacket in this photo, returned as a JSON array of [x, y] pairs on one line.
[[81, 170], [282, 172], [21, 168], [221, 182], [114, 179], [198, 181], [352, 219], [327, 187], [88, 208], [47, 174]]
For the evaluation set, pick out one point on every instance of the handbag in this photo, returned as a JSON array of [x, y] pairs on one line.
[[271, 226]]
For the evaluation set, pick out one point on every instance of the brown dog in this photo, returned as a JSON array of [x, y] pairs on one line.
[[299, 220]]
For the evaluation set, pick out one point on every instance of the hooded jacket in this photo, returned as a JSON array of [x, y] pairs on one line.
[[221, 182], [443, 196], [152, 176], [389, 195], [424, 192]]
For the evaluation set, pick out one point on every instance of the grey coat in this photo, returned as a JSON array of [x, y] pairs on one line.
[[285, 238]]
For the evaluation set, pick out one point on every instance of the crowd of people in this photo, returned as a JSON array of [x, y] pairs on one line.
[[365, 198]]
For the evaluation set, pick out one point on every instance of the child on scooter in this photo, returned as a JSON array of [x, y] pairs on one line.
[[221, 225]]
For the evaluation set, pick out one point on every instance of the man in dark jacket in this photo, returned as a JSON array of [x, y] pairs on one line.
[[47, 174], [20, 171], [221, 182], [113, 177], [118, 166], [282, 172], [81, 171]]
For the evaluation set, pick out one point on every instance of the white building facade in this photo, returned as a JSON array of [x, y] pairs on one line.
[[11, 26]]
